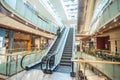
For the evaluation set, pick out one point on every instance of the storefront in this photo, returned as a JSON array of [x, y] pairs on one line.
[[22, 41]]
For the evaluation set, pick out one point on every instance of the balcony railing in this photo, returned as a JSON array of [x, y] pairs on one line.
[[110, 12], [28, 13], [10, 62], [109, 69]]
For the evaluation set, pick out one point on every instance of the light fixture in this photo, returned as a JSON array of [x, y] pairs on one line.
[[36, 27], [110, 27], [103, 26], [26, 23], [115, 20], [12, 15], [115, 24]]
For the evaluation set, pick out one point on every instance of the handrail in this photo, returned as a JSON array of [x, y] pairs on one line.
[[52, 44], [73, 53], [21, 62], [58, 49], [95, 62], [26, 67], [108, 69], [15, 54]]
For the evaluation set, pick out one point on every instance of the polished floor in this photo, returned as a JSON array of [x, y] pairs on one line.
[[39, 75], [36, 74], [92, 76]]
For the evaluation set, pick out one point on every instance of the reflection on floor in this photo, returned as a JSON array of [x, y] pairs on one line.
[[39, 75], [91, 76], [63, 73]]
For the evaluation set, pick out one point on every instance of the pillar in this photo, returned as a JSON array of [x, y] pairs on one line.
[[11, 39]]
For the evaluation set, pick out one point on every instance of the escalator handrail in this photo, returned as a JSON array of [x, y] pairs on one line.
[[25, 67], [52, 44], [21, 62], [22, 59], [56, 51], [73, 53], [73, 42]]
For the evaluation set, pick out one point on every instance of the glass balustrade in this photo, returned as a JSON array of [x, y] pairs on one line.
[[108, 13], [108, 69], [60, 47], [10, 62], [28, 12]]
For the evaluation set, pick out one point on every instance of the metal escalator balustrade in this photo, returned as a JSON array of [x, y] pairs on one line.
[[54, 59], [63, 59], [66, 66], [41, 58], [51, 51], [67, 54]]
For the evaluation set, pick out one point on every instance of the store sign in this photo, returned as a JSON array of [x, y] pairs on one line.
[[1, 42]]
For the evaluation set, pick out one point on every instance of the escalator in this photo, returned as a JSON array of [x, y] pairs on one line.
[[50, 51], [65, 63], [58, 57]]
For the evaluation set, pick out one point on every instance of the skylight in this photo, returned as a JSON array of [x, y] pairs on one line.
[[70, 8]]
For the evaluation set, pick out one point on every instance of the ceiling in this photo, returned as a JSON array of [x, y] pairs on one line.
[[58, 9], [61, 10]]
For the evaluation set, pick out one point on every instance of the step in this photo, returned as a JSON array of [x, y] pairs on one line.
[[65, 61], [65, 64], [68, 58], [67, 55], [66, 52]]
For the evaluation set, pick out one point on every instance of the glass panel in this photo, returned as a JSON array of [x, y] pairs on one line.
[[30, 14], [20, 6], [110, 70], [106, 14], [3, 68], [11, 3], [113, 9], [118, 5], [102, 20]]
